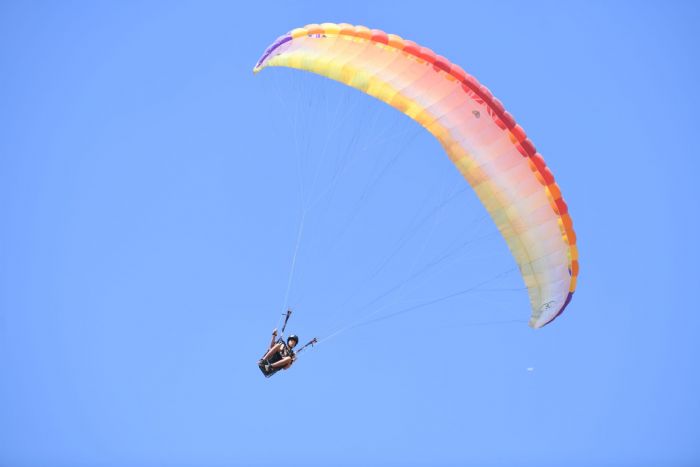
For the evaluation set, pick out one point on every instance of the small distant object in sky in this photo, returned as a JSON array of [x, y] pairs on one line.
[[530, 368]]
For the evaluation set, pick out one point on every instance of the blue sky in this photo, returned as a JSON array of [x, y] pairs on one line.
[[151, 190]]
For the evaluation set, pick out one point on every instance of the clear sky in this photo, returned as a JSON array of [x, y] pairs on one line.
[[151, 190]]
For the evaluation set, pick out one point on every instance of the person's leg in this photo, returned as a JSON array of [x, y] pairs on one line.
[[273, 350], [284, 363]]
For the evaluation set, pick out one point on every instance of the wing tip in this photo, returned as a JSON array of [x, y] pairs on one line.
[[538, 323]]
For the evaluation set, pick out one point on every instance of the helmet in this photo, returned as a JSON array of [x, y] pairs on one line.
[[294, 338]]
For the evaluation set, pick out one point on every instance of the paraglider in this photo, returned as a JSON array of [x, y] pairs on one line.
[[480, 137], [280, 354]]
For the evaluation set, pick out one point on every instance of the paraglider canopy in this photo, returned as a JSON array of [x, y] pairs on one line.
[[481, 138]]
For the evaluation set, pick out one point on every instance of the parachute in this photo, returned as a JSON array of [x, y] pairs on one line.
[[480, 137]]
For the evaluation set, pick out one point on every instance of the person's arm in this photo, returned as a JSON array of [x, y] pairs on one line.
[[274, 338]]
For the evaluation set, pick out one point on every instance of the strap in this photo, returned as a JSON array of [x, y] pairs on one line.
[[310, 343], [286, 318]]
